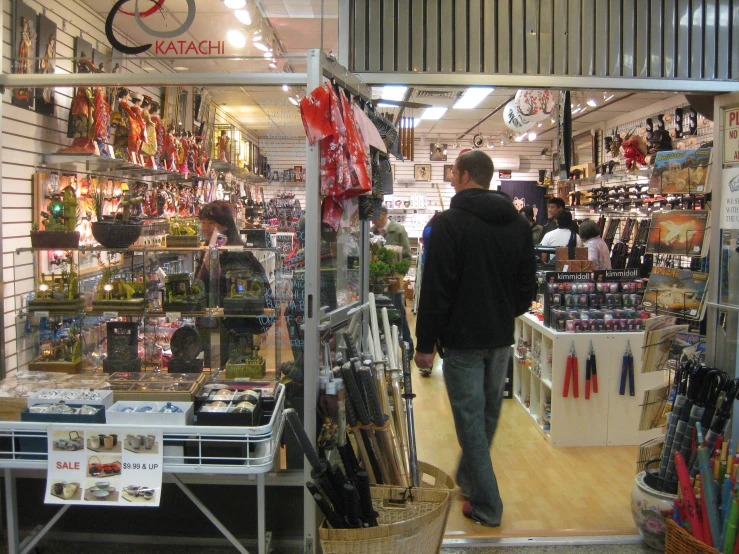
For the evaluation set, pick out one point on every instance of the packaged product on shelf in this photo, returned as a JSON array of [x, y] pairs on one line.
[[678, 292]]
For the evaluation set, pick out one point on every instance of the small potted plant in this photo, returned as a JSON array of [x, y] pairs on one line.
[[119, 230], [59, 221], [184, 232], [398, 271]]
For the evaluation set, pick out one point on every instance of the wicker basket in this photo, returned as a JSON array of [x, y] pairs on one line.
[[679, 541], [417, 528]]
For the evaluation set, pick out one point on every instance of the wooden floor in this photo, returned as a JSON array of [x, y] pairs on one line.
[[546, 491]]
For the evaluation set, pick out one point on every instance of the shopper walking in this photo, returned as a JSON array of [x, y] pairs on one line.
[[537, 231], [396, 235], [598, 252], [478, 279]]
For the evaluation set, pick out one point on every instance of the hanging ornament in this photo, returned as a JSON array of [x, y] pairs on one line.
[[515, 120]]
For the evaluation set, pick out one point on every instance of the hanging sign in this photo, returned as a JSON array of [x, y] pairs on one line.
[[101, 466], [731, 136], [730, 198]]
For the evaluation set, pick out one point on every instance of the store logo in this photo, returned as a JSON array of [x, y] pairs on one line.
[[140, 16], [734, 184]]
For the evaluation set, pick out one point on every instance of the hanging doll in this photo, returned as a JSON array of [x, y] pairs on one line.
[[159, 127], [127, 141], [634, 148], [148, 148], [141, 138], [169, 150], [81, 124], [190, 158]]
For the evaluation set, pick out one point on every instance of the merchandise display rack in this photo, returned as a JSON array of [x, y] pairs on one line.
[[264, 440], [607, 418]]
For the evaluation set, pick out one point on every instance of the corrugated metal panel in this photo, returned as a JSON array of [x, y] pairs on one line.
[[388, 35], [403, 50], [684, 39], [628, 50], [682, 69], [574, 35]]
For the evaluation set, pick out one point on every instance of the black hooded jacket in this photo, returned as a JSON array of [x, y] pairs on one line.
[[479, 274]]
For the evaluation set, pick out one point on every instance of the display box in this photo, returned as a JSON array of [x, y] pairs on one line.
[[116, 416], [229, 416], [155, 387], [97, 417], [89, 381], [85, 396]]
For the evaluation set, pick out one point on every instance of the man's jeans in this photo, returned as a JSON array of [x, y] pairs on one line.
[[475, 381]]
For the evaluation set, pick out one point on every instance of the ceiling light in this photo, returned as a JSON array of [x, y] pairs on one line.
[[236, 38], [385, 105], [472, 97], [261, 46], [592, 102], [235, 4], [607, 96], [393, 92], [554, 121], [540, 124], [181, 68], [532, 136], [268, 54], [257, 36], [519, 138], [243, 16], [293, 100], [434, 112], [273, 65], [490, 143], [416, 121], [285, 87]]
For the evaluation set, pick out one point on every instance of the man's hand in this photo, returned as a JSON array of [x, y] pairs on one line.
[[424, 361]]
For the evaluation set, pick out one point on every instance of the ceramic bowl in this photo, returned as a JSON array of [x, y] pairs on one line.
[[99, 493]]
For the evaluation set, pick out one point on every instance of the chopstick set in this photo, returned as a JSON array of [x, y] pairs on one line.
[[382, 432]]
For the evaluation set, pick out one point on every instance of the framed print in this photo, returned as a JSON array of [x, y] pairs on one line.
[[448, 173], [45, 97], [437, 152], [422, 172], [298, 172], [25, 37]]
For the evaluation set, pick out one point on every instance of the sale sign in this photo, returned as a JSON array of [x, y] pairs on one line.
[[94, 465], [731, 136]]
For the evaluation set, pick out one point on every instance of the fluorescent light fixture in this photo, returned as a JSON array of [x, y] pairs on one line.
[[607, 96], [532, 136], [181, 68], [257, 36], [235, 4], [236, 38], [268, 54], [262, 47], [472, 97], [243, 16], [416, 121], [592, 102], [293, 100], [393, 92], [385, 105], [285, 87], [519, 138], [434, 112]]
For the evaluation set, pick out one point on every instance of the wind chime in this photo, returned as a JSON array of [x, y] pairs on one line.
[[407, 135]]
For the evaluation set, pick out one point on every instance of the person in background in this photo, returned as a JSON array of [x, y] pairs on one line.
[[537, 231], [563, 233], [396, 235], [555, 206], [598, 252], [479, 277]]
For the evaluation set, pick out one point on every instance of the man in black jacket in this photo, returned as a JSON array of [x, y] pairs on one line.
[[479, 276]]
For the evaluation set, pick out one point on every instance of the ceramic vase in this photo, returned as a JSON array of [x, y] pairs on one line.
[[650, 507]]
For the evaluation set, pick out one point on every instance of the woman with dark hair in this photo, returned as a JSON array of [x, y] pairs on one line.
[[597, 248], [218, 217]]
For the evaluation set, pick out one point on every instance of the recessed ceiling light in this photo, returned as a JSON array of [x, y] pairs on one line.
[[393, 92], [273, 65], [285, 87], [268, 54], [235, 4], [243, 16], [262, 47], [592, 102], [472, 97], [257, 36], [519, 138], [181, 68], [434, 112], [236, 38], [532, 136]]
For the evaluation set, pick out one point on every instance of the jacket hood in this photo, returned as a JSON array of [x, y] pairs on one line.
[[492, 207]]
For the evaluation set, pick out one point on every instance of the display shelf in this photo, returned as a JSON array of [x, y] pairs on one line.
[[607, 418]]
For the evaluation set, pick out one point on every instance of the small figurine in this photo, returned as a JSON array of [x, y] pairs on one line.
[[224, 151], [159, 126], [150, 146], [81, 123]]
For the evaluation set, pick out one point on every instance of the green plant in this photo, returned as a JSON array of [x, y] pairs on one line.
[[400, 268], [379, 269], [98, 203], [386, 255]]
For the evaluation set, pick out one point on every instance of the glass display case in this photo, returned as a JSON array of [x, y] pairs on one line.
[[182, 310]]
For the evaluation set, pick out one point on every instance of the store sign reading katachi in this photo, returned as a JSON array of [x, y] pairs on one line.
[[166, 46]]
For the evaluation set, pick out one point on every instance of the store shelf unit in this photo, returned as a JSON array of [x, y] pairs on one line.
[[607, 418]]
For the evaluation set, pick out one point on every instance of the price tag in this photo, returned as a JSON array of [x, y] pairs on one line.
[[110, 314], [120, 467], [173, 315], [41, 314]]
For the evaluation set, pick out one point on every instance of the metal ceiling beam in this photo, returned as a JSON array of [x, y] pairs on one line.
[[484, 119], [593, 110], [554, 82]]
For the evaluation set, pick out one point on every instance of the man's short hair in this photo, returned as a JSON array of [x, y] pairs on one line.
[[383, 210], [557, 202], [528, 211], [479, 165], [564, 219]]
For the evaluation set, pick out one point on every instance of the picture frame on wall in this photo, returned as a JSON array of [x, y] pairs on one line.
[[45, 102], [437, 153], [422, 172], [25, 38], [448, 172], [298, 172]]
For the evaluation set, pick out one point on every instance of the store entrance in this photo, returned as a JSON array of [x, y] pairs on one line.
[[566, 467]]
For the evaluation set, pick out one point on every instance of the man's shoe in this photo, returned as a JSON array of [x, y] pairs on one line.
[[425, 371], [467, 512]]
